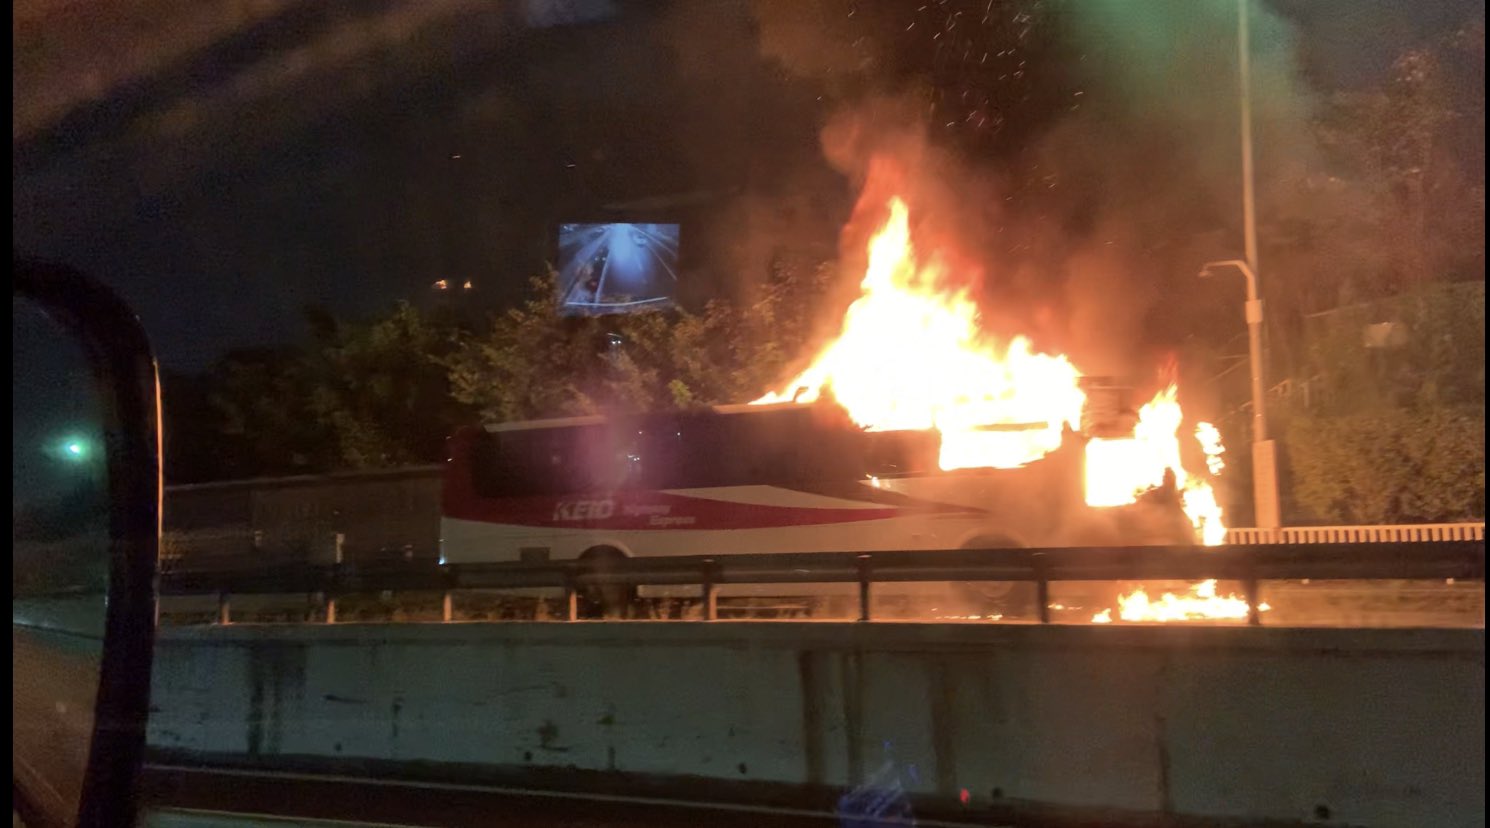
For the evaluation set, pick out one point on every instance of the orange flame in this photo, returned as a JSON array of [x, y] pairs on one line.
[[1119, 470], [1199, 602], [1210, 443]]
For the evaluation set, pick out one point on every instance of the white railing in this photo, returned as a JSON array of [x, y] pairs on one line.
[[1360, 534], [201, 548], [176, 544]]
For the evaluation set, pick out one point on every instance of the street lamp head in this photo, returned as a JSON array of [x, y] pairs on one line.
[[1209, 268]]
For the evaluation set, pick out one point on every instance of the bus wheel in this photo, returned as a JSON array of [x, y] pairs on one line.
[[608, 600], [990, 599]]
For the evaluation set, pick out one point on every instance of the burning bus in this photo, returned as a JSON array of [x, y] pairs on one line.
[[910, 429], [762, 479]]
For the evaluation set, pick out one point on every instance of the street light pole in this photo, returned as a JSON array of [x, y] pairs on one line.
[[1254, 343], [1249, 213], [1264, 452]]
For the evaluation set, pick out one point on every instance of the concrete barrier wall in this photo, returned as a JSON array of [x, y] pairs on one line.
[[1372, 727]]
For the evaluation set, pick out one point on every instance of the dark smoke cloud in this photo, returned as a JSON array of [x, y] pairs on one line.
[[351, 151], [746, 132], [1088, 229]]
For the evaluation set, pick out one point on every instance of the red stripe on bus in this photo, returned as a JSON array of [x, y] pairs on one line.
[[651, 510]]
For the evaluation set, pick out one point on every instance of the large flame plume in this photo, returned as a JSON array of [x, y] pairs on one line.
[[911, 355], [1119, 470]]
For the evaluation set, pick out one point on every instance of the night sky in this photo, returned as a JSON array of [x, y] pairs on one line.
[[225, 164]]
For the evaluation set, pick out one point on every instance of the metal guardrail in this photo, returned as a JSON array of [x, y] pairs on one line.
[[228, 547], [1406, 533], [1249, 564]]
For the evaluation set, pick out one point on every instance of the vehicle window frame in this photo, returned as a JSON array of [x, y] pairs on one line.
[[127, 379]]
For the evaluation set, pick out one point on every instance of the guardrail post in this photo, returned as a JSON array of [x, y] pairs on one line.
[[1253, 590], [711, 592], [1042, 591], [446, 607], [571, 597], [864, 576], [330, 607], [224, 609]]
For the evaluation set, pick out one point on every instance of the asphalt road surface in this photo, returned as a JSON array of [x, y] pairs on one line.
[[55, 677]]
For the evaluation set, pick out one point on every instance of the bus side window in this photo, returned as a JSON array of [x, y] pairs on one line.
[[666, 454], [725, 451], [833, 454], [557, 464], [891, 453], [611, 459], [491, 473], [578, 461], [695, 451], [537, 461], [779, 448]]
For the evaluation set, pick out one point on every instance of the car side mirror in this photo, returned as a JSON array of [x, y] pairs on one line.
[[85, 513]]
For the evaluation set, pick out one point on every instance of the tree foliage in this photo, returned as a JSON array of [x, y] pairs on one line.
[[1380, 309], [1390, 466], [356, 396], [381, 390], [1394, 429], [533, 362], [1417, 352], [1405, 148], [257, 407]]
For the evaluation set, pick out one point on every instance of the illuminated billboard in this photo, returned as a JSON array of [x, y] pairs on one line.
[[617, 268]]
